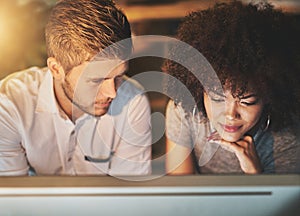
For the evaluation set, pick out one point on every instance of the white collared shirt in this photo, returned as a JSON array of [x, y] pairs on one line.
[[34, 134]]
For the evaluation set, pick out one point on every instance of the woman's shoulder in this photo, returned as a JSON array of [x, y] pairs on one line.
[[194, 116], [286, 140], [287, 135], [180, 122], [286, 151]]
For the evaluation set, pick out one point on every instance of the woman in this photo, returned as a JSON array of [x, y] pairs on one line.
[[250, 125]]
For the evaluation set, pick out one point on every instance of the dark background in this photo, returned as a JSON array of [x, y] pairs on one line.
[[22, 37]]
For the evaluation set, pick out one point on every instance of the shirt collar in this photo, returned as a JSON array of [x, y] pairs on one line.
[[46, 101]]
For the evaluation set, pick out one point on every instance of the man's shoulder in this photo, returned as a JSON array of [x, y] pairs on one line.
[[21, 85], [129, 93], [130, 88], [31, 77]]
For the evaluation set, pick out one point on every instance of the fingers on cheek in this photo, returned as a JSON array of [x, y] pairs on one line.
[[248, 139], [247, 143], [243, 144]]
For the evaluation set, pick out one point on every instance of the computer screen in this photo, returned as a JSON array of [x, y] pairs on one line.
[[231, 195]]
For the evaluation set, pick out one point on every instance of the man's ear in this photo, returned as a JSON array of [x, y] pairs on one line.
[[56, 69]]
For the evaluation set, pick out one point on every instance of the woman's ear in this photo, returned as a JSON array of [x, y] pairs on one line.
[[56, 69]]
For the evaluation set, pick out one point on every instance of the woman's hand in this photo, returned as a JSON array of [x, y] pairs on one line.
[[245, 151]]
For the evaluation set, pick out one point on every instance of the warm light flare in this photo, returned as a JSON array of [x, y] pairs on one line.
[[8, 26], [19, 36], [4, 31]]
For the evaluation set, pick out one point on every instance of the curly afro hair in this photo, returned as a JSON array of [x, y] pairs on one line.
[[251, 47]]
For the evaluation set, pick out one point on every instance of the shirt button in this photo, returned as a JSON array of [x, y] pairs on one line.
[[73, 132], [69, 159]]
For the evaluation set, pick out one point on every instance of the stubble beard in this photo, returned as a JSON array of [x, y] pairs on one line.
[[69, 92]]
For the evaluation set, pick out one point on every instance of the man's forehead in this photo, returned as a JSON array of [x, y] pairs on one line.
[[104, 67]]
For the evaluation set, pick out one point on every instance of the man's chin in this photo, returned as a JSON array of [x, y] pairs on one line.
[[95, 112], [99, 112]]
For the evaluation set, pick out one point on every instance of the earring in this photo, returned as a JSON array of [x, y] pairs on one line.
[[267, 123], [194, 111]]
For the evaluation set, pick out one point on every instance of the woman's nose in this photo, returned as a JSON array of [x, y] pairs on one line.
[[108, 88], [231, 111]]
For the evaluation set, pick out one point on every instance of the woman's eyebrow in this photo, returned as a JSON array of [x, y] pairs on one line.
[[217, 93], [248, 96]]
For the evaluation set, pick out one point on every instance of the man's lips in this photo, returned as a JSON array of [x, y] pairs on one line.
[[231, 128], [102, 104]]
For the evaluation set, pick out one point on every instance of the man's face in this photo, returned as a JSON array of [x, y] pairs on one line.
[[92, 86]]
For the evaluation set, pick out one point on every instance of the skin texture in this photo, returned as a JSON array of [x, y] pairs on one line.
[[87, 88], [252, 49], [232, 118], [77, 32]]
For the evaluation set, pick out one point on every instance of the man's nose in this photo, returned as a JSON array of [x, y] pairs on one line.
[[108, 88], [231, 111]]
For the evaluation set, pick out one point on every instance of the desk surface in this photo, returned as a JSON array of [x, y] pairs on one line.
[[153, 181]]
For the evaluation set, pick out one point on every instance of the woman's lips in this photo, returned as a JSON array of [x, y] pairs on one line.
[[231, 128]]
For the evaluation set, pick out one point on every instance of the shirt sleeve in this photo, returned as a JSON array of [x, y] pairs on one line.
[[177, 125], [12, 155], [265, 151]]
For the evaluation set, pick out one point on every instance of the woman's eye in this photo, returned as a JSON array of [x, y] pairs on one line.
[[218, 100], [248, 103]]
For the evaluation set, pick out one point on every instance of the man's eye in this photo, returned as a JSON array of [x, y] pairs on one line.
[[119, 79], [96, 81]]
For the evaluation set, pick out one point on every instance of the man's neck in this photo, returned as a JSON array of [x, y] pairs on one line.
[[65, 104]]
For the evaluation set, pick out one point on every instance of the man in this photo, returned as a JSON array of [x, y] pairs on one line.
[[81, 115]]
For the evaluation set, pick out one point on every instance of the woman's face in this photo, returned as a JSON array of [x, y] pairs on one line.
[[232, 117]]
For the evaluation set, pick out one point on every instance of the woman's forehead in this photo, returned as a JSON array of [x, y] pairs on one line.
[[238, 93]]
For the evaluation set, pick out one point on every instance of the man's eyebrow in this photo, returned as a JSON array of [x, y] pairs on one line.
[[95, 78], [123, 73], [108, 76]]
